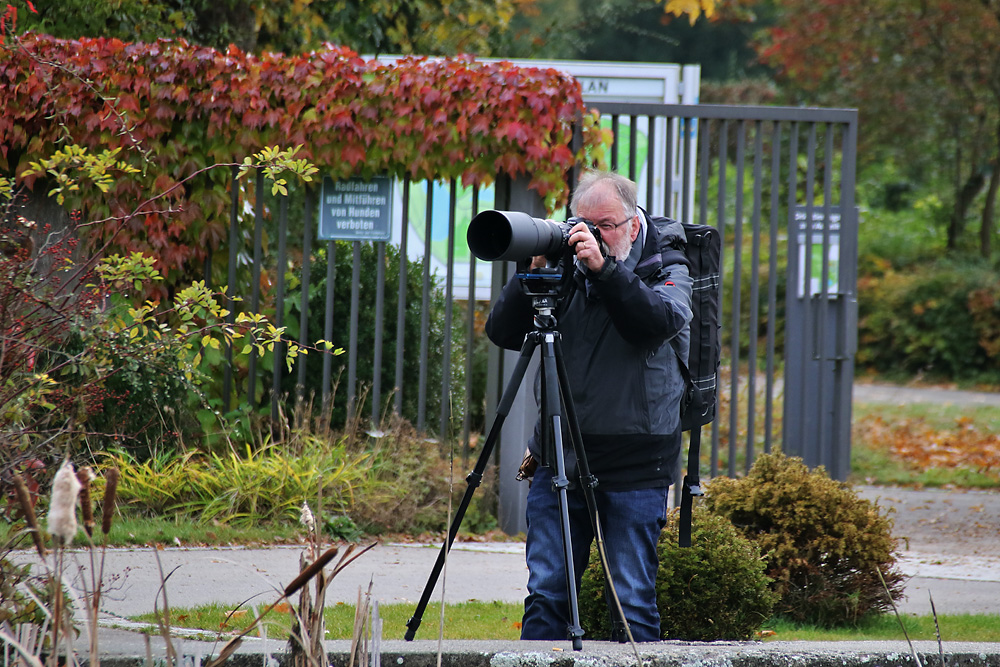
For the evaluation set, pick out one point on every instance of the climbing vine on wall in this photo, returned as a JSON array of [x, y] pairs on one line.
[[176, 108]]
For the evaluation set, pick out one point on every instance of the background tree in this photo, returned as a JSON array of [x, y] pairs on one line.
[[506, 28], [427, 27], [925, 77], [718, 37]]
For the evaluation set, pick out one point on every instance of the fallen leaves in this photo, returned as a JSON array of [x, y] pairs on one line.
[[920, 445]]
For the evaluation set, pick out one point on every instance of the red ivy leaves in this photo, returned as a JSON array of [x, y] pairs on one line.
[[188, 107], [8, 22]]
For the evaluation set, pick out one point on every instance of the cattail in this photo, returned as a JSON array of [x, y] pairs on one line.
[[62, 506], [108, 506], [85, 476], [24, 499], [310, 572], [306, 517]]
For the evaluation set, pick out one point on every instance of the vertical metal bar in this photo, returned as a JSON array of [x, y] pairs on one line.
[[331, 285], [379, 325], [258, 249], [721, 218], [352, 348], [809, 353], [279, 307], [703, 173], [685, 139], [448, 307], [734, 333], [576, 145], [848, 289], [470, 342], [758, 167], [794, 281], [401, 299], [425, 308], [651, 164], [633, 134], [772, 284], [300, 385], [668, 171], [614, 142], [823, 304], [234, 240]]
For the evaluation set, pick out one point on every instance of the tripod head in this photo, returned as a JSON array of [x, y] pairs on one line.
[[546, 286]]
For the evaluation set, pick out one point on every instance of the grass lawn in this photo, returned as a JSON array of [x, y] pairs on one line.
[[502, 620]]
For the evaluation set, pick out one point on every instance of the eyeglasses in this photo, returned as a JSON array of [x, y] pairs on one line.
[[609, 227]]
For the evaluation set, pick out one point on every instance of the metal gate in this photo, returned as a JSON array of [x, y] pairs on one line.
[[778, 183]]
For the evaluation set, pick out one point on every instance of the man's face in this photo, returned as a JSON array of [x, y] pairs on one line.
[[606, 213]]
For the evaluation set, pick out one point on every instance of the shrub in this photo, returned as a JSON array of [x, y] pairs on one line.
[[714, 589], [23, 596], [395, 482], [406, 489], [255, 486], [938, 320], [823, 543]]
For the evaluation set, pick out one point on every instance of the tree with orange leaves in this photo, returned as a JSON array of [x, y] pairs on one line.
[[925, 77]]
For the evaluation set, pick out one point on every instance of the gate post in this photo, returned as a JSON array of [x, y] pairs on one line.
[[511, 195]]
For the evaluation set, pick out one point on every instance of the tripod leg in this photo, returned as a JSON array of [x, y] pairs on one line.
[[474, 479], [560, 483], [620, 627]]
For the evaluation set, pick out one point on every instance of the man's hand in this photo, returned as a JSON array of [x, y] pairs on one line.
[[538, 262], [586, 247]]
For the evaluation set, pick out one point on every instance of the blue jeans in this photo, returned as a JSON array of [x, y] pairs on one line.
[[631, 522]]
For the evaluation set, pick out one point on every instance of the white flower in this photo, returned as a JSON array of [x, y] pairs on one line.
[[306, 517], [62, 507]]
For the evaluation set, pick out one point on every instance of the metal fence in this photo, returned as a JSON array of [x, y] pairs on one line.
[[778, 183]]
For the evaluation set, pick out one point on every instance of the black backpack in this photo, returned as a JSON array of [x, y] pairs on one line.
[[702, 254]]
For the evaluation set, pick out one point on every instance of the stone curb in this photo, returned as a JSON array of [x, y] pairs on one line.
[[424, 653]]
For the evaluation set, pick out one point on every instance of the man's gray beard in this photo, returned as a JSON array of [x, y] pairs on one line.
[[621, 250]]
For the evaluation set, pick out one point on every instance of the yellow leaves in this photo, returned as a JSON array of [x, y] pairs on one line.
[[275, 161], [693, 8], [74, 164]]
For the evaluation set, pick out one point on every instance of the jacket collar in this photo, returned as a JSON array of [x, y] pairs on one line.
[[649, 260]]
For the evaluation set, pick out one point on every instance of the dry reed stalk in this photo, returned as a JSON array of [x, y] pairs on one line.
[[913, 651], [24, 500], [108, 504], [84, 476]]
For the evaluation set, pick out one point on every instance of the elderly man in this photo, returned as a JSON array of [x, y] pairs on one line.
[[623, 324]]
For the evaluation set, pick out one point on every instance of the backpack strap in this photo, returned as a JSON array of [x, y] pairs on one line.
[[691, 486], [692, 400]]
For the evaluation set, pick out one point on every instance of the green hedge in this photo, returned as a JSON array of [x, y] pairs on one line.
[[941, 321]]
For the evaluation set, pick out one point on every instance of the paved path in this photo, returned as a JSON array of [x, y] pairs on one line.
[[960, 581], [881, 393]]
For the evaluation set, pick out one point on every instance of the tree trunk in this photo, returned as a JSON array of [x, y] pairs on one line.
[[988, 227], [963, 200]]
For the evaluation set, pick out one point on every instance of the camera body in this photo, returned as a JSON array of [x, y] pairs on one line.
[[514, 236]]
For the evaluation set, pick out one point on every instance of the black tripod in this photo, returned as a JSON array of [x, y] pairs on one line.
[[556, 397]]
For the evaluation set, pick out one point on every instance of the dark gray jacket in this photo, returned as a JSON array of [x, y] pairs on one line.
[[619, 328]]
